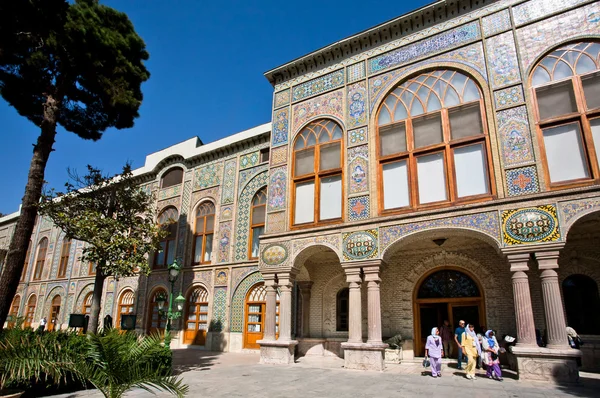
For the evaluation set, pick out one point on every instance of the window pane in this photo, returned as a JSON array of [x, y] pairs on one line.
[[465, 122], [256, 232], [258, 215], [564, 151], [392, 139], [264, 155], [170, 252], [198, 249], [160, 259], [556, 100], [305, 162], [331, 198], [208, 250], [591, 87], [210, 223], [595, 123], [199, 224], [432, 178], [471, 170], [427, 130], [304, 210], [395, 185], [330, 157], [172, 177]]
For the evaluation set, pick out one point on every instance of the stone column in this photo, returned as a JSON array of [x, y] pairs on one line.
[[305, 290], [285, 309], [271, 310], [522, 298], [355, 306], [555, 317], [374, 304]]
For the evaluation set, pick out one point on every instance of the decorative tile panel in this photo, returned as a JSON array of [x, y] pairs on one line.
[[279, 155], [281, 98], [208, 176], [224, 242], [81, 296], [359, 208], [219, 315], [530, 225], [522, 181], [444, 41], [502, 59], [237, 301], [185, 206], [221, 276], [247, 175], [319, 85], [249, 160], [509, 97], [535, 9], [238, 274], [228, 192], [275, 254], [358, 137], [358, 169], [277, 189], [243, 215], [355, 72], [360, 245], [572, 210], [515, 138], [163, 204], [226, 213], [496, 23], [280, 127], [357, 100], [276, 222], [330, 104], [331, 241], [169, 192], [488, 223]]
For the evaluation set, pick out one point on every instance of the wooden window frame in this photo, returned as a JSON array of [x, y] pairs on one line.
[[40, 260], [170, 241], [14, 310], [122, 306], [85, 305], [162, 178], [30, 312], [64, 257], [263, 190], [92, 269], [204, 234], [26, 264]]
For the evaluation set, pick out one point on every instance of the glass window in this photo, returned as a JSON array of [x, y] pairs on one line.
[[331, 197], [591, 88], [257, 220], [168, 221], [395, 182], [40, 259], [392, 139], [556, 100], [432, 178], [64, 257], [564, 150], [203, 233], [172, 177], [471, 170], [305, 203]]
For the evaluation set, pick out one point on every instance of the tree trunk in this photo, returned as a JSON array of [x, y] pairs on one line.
[[9, 280], [96, 300]]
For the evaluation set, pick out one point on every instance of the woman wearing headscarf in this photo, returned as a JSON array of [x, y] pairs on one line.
[[434, 349], [490, 355], [471, 348]]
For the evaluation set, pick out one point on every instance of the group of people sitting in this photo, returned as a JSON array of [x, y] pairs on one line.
[[472, 346]]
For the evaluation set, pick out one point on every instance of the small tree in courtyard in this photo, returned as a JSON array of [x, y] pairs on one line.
[[115, 218], [74, 64]]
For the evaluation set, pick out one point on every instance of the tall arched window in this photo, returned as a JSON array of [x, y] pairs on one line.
[[566, 88], [64, 257], [14, 311], [203, 233], [433, 142], [156, 322], [168, 221], [26, 264], [30, 312], [257, 221], [126, 302], [172, 177], [342, 310], [87, 304], [318, 173], [40, 259], [196, 321], [53, 321], [582, 304]]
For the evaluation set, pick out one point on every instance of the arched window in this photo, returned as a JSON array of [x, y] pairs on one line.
[[92, 268], [30, 312], [156, 322], [257, 220], [26, 264], [172, 177], [14, 311], [40, 259], [448, 284], [342, 310], [53, 321], [64, 257], [318, 173], [582, 304], [433, 142], [168, 221], [126, 303], [87, 304], [203, 233], [566, 88], [254, 324], [196, 321]]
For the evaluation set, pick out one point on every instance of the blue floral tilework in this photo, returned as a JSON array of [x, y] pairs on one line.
[[355, 72], [522, 181], [358, 208], [319, 85], [509, 97], [496, 23]]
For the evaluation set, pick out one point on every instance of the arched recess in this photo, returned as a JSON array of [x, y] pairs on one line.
[[55, 313], [89, 288], [237, 300], [582, 303], [30, 311], [126, 304], [243, 214], [255, 315], [334, 118], [56, 291], [196, 315], [155, 322], [14, 310], [313, 249]]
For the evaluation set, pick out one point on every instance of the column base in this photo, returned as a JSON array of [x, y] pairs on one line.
[[277, 352], [547, 364], [364, 356]]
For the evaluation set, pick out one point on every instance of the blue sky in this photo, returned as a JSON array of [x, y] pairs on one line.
[[207, 60]]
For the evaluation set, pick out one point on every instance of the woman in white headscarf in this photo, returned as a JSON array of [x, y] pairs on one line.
[[434, 349], [490, 351], [471, 348]]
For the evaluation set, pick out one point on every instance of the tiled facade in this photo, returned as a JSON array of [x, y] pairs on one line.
[[395, 251]]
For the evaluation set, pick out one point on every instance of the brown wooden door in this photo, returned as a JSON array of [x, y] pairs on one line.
[[30, 313], [255, 314], [156, 323], [196, 321], [54, 313]]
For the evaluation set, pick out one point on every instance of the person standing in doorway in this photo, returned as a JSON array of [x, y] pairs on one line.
[[458, 340], [447, 341], [42, 325], [435, 351], [471, 349]]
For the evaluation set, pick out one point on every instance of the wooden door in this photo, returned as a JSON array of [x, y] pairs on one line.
[[54, 313], [14, 311], [255, 314], [196, 321], [30, 311], [156, 322]]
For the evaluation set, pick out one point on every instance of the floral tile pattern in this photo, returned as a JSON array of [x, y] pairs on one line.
[[357, 99], [355, 72], [221, 276], [319, 85], [237, 301], [358, 208], [280, 127], [249, 160], [219, 315], [515, 138], [358, 169], [281, 98], [226, 213], [277, 189], [360, 245], [331, 241], [571, 210], [279, 155], [530, 225], [502, 58], [228, 192], [535, 9], [330, 104], [358, 137], [224, 241], [522, 181], [167, 193], [208, 176], [509, 97], [276, 222], [247, 175], [496, 23]]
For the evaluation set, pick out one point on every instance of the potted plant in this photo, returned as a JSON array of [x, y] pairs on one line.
[[393, 354]]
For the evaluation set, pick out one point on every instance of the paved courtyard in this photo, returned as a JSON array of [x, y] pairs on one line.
[[215, 374]]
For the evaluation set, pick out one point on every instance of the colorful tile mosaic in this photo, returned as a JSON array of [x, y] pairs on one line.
[[221, 276], [358, 169], [173, 202], [237, 274], [522, 181], [537, 38], [359, 208], [208, 176], [572, 211], [360, 245], [249, 160], [486, 223], [53, 291], [243, 215], [275, 254], [509, 97], [276, 222], [81, 296], [280, 127], [237, 301], [496, 23], [167, 193], [330, 104], [277, 189], [355, 72], [357, 100], [185, 206], [530, 225], [279, 155], [247, 175], [281, 98], [471, 56], [46, 224], [226, 213], [219, 314], [442, 42], [535, 9], [197, 197], [331, 241], [502, 59], [319, 85], [228, 192], [515, 138], [224, 241], [358, 137]]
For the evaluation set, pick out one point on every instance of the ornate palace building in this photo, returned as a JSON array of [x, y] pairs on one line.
[[442, 165]]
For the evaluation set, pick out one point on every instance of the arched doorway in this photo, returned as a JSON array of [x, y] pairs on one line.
[[254, 323], [14, 311], [196, 320], [30, 313], [87, 304], [54, 313], [447, 294], [582, 304], [125, 305], [156, 322]]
